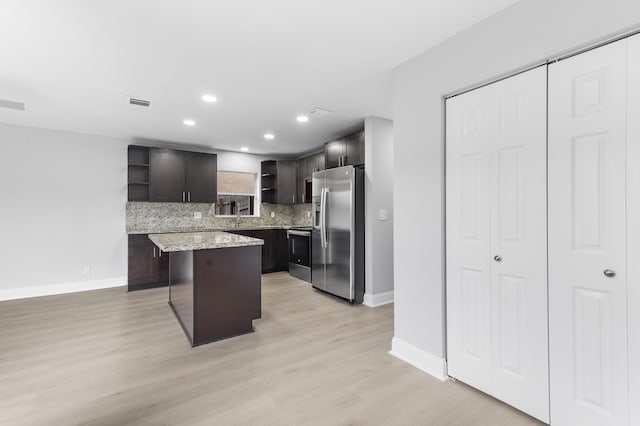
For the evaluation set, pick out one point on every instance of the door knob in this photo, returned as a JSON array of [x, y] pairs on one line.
[[609, 273], [497, 258]]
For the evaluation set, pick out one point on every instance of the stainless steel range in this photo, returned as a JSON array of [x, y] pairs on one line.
[[299, 240]]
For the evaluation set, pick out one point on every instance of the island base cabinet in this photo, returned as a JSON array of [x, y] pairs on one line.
[[215, 293]]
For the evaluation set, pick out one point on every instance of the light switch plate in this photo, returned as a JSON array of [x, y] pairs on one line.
[[308, 213], [273, 214], [197, 215], [382, 214]]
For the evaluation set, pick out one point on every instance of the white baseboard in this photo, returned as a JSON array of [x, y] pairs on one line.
[[419, 358], [373, 300], [49, 290]]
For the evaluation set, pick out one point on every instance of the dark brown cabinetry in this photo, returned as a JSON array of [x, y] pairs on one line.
[[201, 173], [169, 175], [348, 150], [286, 182], [180, 176], [306, 167], [275, 249], [138, 173], [320, 162], [268, 171], [148, 267], [334, 151], [278, 181]]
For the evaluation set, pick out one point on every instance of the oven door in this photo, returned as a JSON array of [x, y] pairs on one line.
[[299, 248]]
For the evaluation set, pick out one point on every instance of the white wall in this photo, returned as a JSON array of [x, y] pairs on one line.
[[378, 148], [63, 208], [528, 32]]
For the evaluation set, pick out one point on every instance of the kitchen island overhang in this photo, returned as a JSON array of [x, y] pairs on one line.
[[214, 282]]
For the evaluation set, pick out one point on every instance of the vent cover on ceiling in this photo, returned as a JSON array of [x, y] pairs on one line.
[[139, 102], [11, 104], [318, 113]]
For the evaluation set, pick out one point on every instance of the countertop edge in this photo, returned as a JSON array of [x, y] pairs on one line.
[[156, 238]]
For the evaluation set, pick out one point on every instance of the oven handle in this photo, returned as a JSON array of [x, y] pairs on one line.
[[300, 233]]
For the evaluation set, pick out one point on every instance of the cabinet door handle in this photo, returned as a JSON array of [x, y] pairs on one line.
[[159, 253], [183, 196], [154, 251], [609, 273], [293, 198], [189, 196]]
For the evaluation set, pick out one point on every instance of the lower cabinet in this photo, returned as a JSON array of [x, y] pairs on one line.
[[148, 267], [275, 249]]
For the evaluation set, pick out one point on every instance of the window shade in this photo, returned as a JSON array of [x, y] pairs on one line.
[[236, 183]]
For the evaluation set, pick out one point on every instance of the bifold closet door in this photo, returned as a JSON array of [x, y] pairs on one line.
[[587, 238], [496, 240]]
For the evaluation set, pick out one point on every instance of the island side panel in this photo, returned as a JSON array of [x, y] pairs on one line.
[[181, 289], [227, 293]]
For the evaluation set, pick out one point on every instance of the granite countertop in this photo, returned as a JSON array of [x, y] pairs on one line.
[[184, 241], [217, 229]]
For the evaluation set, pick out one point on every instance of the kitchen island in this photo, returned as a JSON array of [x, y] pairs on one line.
[[214, 282]]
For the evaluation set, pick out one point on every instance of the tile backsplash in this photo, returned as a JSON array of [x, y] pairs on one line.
[[148, 218]]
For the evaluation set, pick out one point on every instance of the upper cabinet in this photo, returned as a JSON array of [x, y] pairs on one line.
[[348, 150], [167, 170], [138, 173], [200, 178], [286, 182], [334, 152], [169, 175], [307, 166], [278, 181]]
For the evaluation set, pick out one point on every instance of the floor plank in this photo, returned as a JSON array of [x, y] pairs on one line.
[[108, 357]]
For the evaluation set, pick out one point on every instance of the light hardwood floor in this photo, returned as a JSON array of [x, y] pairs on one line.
[[108, 357]]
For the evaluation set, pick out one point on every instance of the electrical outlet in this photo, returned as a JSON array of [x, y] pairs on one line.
[[273, 214], [86, 270], [197, 215], [308, 213], [382, 214]]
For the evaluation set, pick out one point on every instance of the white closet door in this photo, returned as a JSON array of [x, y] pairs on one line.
[[469, 122], [587, 310], [496, 206], [633, 227], [518, 236]]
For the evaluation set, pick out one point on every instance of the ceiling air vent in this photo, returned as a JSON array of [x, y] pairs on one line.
[[11, 105], [317, 113], [139, 102]]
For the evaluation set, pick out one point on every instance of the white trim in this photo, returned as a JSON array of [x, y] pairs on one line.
[[49, 290], [419, 358], [375, 300]]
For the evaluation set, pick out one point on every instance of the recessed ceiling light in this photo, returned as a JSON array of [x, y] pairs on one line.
[[189, 123], [302, 118], [269, 136], [244, 148], [209, 98]]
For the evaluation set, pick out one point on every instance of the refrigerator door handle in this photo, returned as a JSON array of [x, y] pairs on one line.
[[322, 217], [325, 232]]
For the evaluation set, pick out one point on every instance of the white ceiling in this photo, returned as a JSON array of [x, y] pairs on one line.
[[74, 62]]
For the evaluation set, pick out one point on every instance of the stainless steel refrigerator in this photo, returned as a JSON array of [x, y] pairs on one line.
[[337, 238]]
